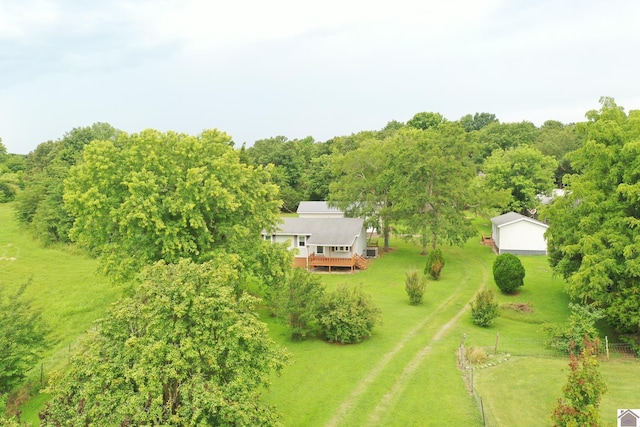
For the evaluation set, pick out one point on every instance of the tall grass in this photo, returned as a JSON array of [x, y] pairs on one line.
[[63, 284]]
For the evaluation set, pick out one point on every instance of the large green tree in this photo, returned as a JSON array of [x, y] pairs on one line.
[[363, 184], [183, 351], [523, 172], [432, 171], [291, 160], [558, 140], [165, 196], [40, 204], [593, 234], [504, 136]]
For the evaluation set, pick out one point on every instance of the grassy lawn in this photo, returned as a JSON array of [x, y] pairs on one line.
[[63, 285], [527, 385], [404, 375]]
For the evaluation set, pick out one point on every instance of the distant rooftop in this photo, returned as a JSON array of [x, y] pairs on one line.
[[316, 207]]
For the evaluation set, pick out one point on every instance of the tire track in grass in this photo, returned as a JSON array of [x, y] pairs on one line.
[[402, 381], [363, 385]]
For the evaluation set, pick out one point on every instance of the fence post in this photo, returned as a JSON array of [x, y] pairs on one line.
[[484, 420], [606, 345], [495, 349]]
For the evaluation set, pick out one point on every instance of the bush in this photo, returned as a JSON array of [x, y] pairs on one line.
[[347, 315], [22, 337], [297, 303], [580, 404], [484, 308], [415, 285], [569, 337], [435, 263], [508, 273], [476, 355]]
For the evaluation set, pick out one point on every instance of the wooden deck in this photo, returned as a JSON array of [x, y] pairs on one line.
[[353, 262]]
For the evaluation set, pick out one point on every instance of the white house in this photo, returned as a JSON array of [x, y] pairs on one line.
[[318, 209], [518, 234], [323, 242]]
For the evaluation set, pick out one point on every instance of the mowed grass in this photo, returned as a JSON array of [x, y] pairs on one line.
[[525, 387], [63, 284], [406, 373]]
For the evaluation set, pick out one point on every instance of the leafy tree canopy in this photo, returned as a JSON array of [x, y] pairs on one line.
[[183, 351], [505, 136], [40, 204], [477, 121], [363, 187], [166, 196], [523, 171], [426, 120], [432, 171], [593, 230]]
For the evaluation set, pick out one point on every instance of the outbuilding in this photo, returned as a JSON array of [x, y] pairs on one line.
[[518, 234]]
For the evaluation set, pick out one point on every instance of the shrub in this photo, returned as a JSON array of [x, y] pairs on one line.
[[484, 308], [297, 303], [22, 336], [570, 336], [508, 273], [347, 315], [435, 263], [580, 404], [415, 285]]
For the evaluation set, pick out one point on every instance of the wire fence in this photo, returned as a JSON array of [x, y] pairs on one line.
[[503, 348]]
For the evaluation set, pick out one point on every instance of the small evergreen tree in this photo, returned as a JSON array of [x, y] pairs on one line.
[[484, 308], [347, 315], [508, 273], [415, 285], [583, 391], [435, 263]]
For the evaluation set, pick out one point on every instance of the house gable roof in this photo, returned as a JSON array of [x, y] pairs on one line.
[[512, 217], [323, 231], [316, 207]]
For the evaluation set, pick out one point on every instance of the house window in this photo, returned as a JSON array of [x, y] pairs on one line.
[[340, 248], [320, 250], [301, 241]]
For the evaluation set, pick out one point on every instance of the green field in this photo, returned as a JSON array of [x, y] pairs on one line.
[[406, 374], [62, 283]]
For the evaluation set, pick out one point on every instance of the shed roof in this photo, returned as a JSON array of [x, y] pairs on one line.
[[316, 207], [511, 217], [323, 231]]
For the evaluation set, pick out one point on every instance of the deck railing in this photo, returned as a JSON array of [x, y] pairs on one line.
[[325, 261]]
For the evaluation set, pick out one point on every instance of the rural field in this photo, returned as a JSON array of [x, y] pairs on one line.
[[406, 374]]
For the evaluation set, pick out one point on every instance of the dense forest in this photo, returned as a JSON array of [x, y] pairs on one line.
[[189, 209]]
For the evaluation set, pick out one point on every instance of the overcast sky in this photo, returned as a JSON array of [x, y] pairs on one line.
[[257, 69]]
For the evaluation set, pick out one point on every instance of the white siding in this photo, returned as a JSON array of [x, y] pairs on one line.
[[521, 237], [361, 242]]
